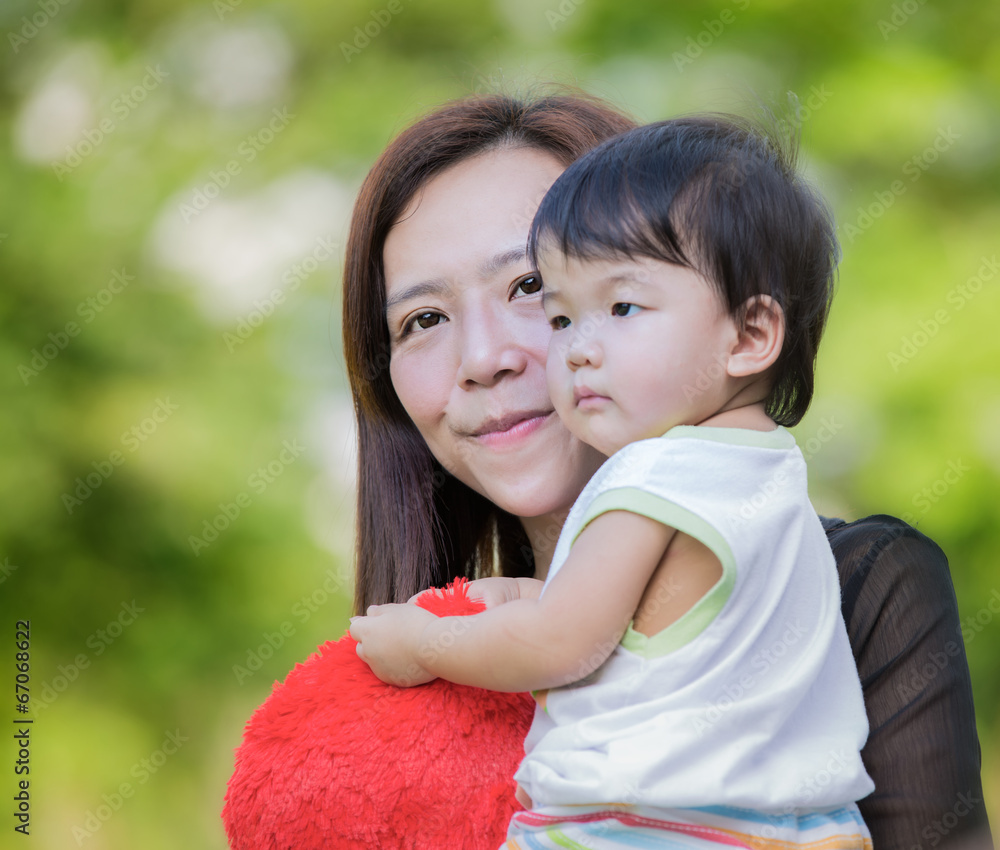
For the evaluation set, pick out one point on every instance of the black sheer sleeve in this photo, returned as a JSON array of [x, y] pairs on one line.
[[923, 750]]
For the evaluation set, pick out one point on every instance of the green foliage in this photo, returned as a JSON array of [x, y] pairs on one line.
[[144, 390]]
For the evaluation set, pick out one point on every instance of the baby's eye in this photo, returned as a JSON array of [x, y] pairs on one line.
[[623, 308], [529, 284], [559, 323]]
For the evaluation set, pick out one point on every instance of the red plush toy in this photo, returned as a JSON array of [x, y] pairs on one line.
[[335, 758]]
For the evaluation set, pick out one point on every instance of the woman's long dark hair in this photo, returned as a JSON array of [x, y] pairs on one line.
[[417, 526]]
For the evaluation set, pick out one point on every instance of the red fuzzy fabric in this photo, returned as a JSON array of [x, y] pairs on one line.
[[334, 758]]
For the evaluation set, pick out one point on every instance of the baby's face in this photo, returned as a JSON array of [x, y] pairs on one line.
[[638, 346]]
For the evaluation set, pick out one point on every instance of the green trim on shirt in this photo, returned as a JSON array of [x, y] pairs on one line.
[[706, 609], [779, 438]]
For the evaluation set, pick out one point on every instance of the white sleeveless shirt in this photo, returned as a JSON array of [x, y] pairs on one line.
[[752, 698]]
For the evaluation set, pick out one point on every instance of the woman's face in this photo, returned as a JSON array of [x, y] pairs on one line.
[[469, 338]]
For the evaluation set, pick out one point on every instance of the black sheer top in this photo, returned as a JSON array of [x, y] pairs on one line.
[[923, 751]]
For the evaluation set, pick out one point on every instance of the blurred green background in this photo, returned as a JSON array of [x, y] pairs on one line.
[[165, 167]]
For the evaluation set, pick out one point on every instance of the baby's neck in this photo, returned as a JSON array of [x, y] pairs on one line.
[[753, 417]]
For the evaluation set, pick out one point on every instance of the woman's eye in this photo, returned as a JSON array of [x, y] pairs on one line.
[[423, 321], [529, 284], [559, 323], [624, 309]]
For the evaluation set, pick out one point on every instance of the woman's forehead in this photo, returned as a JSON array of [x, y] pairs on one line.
[[471, 218], [499, 168]]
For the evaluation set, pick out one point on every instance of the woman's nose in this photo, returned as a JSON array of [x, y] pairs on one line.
[[491, 349]]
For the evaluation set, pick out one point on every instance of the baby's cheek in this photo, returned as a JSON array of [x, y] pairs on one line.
[[559, 381], [562, 401]]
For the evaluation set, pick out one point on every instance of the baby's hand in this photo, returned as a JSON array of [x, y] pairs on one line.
[[495, 590], [388, 640], [498, 590]]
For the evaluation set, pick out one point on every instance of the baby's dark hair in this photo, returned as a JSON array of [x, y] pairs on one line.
[[718, 195]]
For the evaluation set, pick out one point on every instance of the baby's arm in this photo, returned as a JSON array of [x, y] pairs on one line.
[[527, 644]]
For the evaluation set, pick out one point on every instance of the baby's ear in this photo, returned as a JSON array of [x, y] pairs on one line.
[[759, 338]]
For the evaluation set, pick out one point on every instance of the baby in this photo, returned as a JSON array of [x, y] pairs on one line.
[[694, 681]]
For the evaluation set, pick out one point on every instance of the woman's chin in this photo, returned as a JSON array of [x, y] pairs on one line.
[[541, 482]]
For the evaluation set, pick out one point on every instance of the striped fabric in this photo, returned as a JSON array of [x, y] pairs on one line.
[[604, 828]]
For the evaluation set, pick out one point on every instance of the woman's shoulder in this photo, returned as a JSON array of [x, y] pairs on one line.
[[903, 622], [884, 561]]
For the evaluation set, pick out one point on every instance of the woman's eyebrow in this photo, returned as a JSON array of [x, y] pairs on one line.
[[437, 286], [417, 290], [498, 262]]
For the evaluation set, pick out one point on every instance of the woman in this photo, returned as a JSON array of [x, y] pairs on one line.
[[464, 470]]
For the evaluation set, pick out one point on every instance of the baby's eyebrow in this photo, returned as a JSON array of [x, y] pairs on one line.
[[627, 277]]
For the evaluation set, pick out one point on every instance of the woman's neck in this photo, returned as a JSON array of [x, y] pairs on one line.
[[543, 532]]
